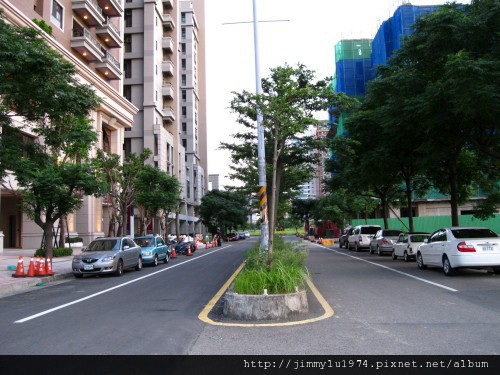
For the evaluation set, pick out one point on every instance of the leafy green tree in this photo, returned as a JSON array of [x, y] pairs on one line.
[[39, 87], [120, 178], [452, 63], [156, 192], [224, 210], [289, 101]]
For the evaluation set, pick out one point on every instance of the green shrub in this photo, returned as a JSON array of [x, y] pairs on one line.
[[73, 240], [43, 25], [284, 275], [56, 252]]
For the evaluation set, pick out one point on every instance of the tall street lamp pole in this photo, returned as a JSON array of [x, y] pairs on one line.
[[264, 228]]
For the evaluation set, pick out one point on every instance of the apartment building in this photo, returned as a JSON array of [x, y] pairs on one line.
[[89, 34], [164, 76]]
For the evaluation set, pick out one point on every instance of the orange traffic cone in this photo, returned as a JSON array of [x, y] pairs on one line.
[[189, 253], [48, 268], [196, 245], [174, 254], [207, 245], [41, 267], [20, 268], [31, 268]]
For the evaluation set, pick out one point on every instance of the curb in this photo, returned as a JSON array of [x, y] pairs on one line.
[[26, 283]]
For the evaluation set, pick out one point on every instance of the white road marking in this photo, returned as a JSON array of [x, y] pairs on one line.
[[393, 270], [113, 288]]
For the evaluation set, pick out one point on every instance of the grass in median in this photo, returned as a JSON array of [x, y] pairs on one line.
[[285, 274]]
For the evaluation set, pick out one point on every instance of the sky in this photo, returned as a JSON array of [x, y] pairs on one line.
[[302, 32]]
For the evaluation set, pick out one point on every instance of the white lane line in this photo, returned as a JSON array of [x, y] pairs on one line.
[[392, 269], [113, 288]]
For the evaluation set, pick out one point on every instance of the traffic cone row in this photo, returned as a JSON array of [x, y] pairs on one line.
[[174, 254], [41, 268]]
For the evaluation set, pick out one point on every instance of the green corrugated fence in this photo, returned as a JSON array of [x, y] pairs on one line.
[[431, 223]]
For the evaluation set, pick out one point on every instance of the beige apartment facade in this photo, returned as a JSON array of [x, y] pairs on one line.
[[89, 34]]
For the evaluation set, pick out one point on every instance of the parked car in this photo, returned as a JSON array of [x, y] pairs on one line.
[[344, 237], [407, 244], [108, 255], [232, 236], [154, 249], [361, 236], [460, 247], [246, 234], [383, 240], [182, 247], [241, 236]]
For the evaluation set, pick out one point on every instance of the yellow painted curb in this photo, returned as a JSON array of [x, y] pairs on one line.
[[203, 316]]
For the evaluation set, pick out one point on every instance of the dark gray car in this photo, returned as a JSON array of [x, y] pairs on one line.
[[384, 240], [107, 255]]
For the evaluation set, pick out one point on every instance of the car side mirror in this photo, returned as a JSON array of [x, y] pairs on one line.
[[126, 247], [426, 241]]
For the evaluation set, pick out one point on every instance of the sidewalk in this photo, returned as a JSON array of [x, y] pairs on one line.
[[61, 267]]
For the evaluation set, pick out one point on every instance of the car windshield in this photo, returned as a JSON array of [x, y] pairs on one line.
[[104, 245], [144, 242], [419, 237], [389, 233], [473, 233], [370, 230]]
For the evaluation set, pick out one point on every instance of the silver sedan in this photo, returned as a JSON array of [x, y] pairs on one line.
[[108, 255]]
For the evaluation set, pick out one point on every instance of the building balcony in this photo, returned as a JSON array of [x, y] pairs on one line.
[[89, 10], [167, 67], [109, 66], [167, 44], [110, 34], [168, 114], [86, 45], [111, 8], [168, 91], [168, 4], [168, 21]]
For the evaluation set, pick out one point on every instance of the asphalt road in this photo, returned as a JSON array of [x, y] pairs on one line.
[[381, 307]]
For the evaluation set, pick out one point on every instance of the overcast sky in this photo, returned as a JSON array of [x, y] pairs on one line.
[[307, 35]]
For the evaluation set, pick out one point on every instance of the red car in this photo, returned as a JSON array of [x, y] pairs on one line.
[[232, 237]]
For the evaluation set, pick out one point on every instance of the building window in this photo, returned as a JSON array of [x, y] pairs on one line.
[[127, 92], [183, 32], [183, 79], [184, 143], [127, 42], [184, 111], [127, 67], [184, 95], [183, 47], [127, 146], [183, 63], [184, 127], [128, 17], [183, 17], [57, 14]]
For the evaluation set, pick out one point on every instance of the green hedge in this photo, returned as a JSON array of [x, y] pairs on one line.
[[56, 252], [73, 240]]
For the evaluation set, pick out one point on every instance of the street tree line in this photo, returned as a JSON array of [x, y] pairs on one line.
[[47, 139], [429, 120]]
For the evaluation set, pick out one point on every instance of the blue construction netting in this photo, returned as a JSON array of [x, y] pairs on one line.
[[392, 31]]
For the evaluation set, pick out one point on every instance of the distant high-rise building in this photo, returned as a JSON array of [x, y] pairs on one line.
[[164, 64], [213, 179]]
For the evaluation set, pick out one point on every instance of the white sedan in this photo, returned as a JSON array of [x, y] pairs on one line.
[[460, 247], [407, 244]]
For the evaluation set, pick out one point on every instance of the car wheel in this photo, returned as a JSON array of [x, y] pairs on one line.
[[119, 268], [394, 256], [447, 268], [167, 258], [155, 261], [406, 257], [78, 275], [340, 244], [496, 270], [420, 262], [371, 249], [138, 266], [356, 247], [379, 253]]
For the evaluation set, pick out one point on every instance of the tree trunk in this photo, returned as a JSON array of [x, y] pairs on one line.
[[409, 203], [454, 196], [62, 234]]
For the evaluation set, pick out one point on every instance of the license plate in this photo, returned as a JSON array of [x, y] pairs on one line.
[[88, 267], [487, 248]]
